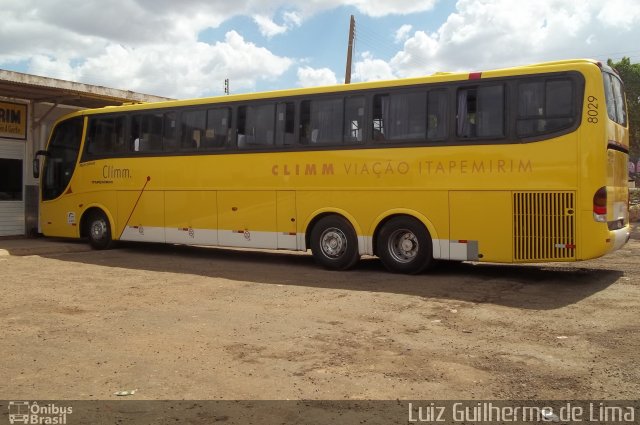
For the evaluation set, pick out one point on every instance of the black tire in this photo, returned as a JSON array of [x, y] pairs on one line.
[[99, 231], [334, 243], [405, 246]]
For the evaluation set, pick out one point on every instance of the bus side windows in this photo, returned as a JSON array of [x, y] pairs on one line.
[[256, 126], [305, 122], [354, 119], [193, 125], [544, 106], [437, 115], [106, 136], [169, 132], [147, 132], [321, 121], [480, 112], [285, 116], [216, 135], [399, 116]]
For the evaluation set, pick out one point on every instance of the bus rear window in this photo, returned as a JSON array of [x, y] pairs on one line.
[[614, 94]]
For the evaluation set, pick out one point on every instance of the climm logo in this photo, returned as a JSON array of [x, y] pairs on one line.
[[308, 169], [111, 172]]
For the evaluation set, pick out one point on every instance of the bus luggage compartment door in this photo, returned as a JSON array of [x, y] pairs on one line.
[[481, 219], [247, 218]]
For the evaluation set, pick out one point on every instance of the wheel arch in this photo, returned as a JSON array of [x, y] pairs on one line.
[[84, 219], [383, 218], [324, 212]]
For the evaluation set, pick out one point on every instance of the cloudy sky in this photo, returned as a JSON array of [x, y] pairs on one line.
[[187, 48]]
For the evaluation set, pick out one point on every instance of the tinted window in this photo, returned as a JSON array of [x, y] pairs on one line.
[[10, 179], [481, 112], [204, 129], [437, 115], [106, 136], [321, 121], [400, 116], [256, 126], [193, 124], [621, 109], [609, 96], [147, 132], [169, 132], [353, 119], [614, 95], [62, 155], [285, 124], [217, 132], [545, 106]]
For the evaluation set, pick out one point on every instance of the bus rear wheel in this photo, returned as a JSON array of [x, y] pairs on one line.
[[334, 243], [99, 231], [404, 246]]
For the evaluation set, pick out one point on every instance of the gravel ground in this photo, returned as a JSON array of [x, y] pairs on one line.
[[200, 323]]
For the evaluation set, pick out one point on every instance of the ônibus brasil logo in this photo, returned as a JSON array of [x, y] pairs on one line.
[[25, 412]]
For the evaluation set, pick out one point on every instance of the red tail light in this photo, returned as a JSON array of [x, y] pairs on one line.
[[600, 205]]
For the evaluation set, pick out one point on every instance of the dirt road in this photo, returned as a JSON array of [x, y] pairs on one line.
[[196, 323]]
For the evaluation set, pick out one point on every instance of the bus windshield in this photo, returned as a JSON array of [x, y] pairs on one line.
[[62, 154]]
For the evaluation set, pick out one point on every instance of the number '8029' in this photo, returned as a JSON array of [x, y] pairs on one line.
[[592, 109]]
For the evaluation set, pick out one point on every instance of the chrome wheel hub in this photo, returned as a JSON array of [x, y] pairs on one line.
[[403, 245], [98, 229], [333, 242]]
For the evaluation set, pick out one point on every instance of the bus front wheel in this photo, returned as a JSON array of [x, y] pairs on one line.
[[99, 231], [334, 243], [404, 246]]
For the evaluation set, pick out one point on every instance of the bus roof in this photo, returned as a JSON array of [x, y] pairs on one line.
[[433, 78]]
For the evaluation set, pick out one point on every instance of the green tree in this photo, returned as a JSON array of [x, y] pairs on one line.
[[630, 74]]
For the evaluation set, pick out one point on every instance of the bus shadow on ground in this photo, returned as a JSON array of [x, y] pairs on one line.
[[540, 287]]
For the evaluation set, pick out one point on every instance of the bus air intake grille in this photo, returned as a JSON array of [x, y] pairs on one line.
[[544, 226]]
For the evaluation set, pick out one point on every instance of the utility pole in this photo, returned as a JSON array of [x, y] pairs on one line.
[[352, 36]]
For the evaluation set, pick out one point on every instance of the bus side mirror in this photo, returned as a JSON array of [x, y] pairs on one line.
[[36, 168]]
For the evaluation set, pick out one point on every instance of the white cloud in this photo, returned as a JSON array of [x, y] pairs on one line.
[[489, 34], [267, 27], [191, 70], [292, 18], [402, 33], [377, 8], [154, 46], [620, 13], [310, 77], [371, 69]]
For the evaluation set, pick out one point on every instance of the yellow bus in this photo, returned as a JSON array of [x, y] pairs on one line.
[[518, 165]]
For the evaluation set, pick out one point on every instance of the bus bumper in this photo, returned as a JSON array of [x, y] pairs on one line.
[[619, 237]]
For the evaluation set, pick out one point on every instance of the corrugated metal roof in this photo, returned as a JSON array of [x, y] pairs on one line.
[[51, 90]]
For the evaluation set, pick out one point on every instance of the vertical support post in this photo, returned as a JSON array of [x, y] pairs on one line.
[[352, 34]]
